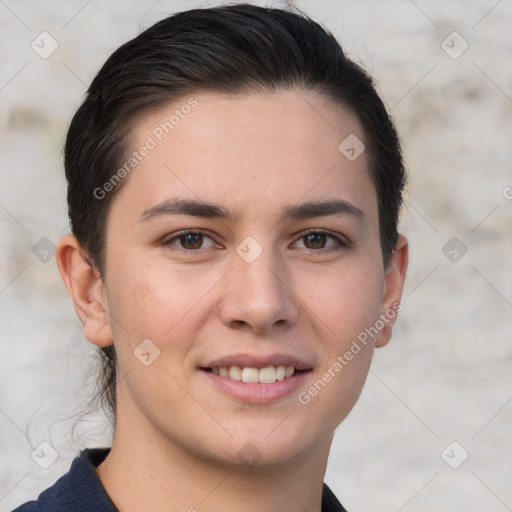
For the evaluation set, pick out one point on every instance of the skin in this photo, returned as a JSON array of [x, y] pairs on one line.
[[178, 437]]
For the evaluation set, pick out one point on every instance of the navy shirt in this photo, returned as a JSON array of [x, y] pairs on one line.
[[81, 490]]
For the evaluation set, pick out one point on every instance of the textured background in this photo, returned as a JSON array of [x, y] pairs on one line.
[[446, 375]]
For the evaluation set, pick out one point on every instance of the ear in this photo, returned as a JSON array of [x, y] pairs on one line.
[[86, 289], [393, 287]]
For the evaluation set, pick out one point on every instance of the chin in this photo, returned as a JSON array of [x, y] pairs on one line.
[[257, 447]]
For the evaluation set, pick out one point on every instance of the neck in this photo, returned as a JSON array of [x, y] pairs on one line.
[[174, 479]]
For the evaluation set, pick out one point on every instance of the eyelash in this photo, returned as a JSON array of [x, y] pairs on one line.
[[341, 242]]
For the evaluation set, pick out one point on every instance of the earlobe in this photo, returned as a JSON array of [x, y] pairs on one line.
[[86, 288], [394, 282]]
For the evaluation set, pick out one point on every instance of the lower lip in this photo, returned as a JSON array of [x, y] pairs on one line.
[[255, 392]]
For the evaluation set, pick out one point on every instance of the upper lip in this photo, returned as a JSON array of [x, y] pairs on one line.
[[257, 361]]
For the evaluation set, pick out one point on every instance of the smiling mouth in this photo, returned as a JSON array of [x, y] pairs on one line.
[[266, 375]]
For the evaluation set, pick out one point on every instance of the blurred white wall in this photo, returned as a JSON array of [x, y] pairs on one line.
[[446, 375]]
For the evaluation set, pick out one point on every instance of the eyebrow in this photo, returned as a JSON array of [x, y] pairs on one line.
[[197, 208]]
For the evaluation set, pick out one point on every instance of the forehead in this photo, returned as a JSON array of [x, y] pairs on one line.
[[251, 152]]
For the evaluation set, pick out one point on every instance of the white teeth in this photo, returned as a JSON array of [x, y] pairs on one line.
[[250, 375], [235, 373], [280, 372], [267, 375]]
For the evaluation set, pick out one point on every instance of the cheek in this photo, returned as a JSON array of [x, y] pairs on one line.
[[346, 301], [155, 303], [346, 307], [165, 303], [346, 314]]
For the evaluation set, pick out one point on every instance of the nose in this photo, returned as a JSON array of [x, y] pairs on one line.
[[259, 295]]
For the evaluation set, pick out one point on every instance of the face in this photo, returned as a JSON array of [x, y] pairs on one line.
[[281, 273]]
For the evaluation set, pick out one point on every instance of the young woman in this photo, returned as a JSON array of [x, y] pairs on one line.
[[234, 187]]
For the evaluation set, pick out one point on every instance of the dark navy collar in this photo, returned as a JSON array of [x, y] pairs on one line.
[[80, 488]]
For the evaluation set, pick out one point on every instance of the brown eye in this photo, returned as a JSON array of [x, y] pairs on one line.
[[317, 240], [191, 241]]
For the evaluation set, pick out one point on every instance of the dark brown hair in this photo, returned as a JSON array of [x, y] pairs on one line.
[[227, 49]]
